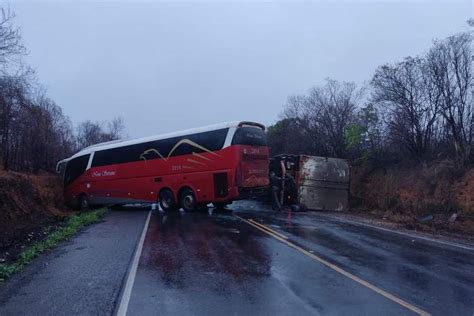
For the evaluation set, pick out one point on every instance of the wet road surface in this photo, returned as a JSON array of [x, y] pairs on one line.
[[82, 276], [435, 277], [246, 261], [216, 263]]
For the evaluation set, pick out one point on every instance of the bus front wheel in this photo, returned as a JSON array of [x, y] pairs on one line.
[[84, 202], [167, 202], [187, 200]]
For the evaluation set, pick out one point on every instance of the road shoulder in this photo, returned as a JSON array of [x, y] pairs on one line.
[[451, 240], [81, 276]]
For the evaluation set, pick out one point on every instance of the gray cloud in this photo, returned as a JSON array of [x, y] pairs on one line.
[[165, 66]]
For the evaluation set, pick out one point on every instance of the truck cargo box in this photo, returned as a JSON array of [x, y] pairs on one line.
[[323, 183]]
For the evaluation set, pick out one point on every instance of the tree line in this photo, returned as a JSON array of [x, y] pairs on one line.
[[34, 132], [420, 108]]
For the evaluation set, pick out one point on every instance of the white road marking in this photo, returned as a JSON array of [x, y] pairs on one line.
[[402, 233], [122, 311]]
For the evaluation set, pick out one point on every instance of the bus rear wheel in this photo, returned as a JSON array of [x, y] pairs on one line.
[[167, 202], [187, 200]]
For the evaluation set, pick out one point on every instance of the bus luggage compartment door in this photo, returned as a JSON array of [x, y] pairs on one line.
[[323, 183], [220, 184]]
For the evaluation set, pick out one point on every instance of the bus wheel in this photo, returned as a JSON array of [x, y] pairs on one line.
[[167, 202], [84, 202], [187, 200]]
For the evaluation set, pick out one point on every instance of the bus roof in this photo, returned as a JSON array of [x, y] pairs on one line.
[[127, 142]]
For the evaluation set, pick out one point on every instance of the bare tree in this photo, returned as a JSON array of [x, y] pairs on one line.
[[116, 128], [12, 101], [34, 132], [450, 69], [403, 91], [324, 114], [11, 45], [90, 133], [421, 106], [285, 137]]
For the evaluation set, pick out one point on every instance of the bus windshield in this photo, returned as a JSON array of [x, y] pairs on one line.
[[249, 136]]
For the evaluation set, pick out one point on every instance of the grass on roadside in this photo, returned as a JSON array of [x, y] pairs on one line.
[[74, 224]]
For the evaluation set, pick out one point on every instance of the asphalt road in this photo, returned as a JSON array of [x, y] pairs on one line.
[[246, 261], [82, 276]]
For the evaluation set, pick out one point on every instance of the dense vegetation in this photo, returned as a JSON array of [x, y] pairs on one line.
[[34, 131], [418, 109]]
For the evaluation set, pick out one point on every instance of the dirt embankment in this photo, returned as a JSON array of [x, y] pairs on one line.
[[29, 204], [422, 197]]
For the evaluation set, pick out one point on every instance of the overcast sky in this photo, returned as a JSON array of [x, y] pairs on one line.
[[165, 66]]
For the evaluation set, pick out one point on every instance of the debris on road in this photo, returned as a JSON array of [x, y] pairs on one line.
[[453, 218], [426, 218]]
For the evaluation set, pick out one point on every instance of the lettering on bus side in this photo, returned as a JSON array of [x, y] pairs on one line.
[[103, 173], [252, 151]]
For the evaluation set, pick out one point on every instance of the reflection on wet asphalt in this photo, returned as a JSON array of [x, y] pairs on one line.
[[213, 263], [435, 277]]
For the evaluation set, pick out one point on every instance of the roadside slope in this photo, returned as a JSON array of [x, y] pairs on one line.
[[28, 205], [435, 197]]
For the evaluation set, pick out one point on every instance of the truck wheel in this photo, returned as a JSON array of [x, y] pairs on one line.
[[187, 200], [84, 203], [167, 202]]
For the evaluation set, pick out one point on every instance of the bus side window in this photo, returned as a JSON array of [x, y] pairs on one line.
[[75, 168], [213, 140]]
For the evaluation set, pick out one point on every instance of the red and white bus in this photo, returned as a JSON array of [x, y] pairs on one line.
[[217, 163]]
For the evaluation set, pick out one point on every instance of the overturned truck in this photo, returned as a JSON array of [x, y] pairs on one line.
[[310, 182]]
